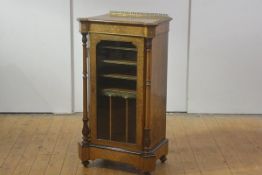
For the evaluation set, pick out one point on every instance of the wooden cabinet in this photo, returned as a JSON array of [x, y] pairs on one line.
[[124, 112]]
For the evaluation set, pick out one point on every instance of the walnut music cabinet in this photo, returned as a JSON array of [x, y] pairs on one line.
[[124, 112]]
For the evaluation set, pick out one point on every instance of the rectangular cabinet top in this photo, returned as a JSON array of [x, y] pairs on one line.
[[133, 18]]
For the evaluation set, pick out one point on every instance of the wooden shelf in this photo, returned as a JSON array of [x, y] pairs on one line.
[[121, 62], [120, 48], [120, 76], [116, 92]]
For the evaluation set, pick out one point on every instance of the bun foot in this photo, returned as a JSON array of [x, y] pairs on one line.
[[163, 158], [85, 163]]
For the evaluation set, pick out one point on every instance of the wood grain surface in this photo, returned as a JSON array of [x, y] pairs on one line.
[[46, 144]]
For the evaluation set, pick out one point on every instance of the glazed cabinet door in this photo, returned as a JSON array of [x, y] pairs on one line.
[[117, 86]]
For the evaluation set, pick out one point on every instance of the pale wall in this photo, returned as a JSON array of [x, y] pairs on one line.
[[35, 63], [225, 74]]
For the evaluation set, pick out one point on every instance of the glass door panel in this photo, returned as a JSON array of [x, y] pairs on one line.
[[116, 91]]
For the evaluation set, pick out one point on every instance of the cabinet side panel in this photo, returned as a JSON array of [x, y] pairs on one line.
[[158, 88]]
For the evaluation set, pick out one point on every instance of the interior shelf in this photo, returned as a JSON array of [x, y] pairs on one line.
[[119, 76], [120, 48], [121, 62], [116, 92]]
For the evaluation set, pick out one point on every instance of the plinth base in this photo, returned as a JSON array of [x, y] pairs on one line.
[[144, 161]]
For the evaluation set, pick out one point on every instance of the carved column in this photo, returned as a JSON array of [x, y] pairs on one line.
[[147, 134], [85, 130]]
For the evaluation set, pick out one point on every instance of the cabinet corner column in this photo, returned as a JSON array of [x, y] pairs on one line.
[[147, 130], [85, 130]]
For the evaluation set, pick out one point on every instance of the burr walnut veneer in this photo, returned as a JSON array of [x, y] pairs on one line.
[[124, 112]]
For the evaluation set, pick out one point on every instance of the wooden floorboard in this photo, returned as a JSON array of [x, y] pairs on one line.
[[19, 146], [44, 155], [198, 145], [207, 154], [225, 145], [183, 147], [31, 151], [9, 131]]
